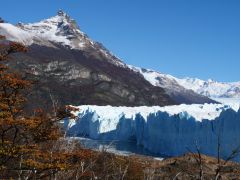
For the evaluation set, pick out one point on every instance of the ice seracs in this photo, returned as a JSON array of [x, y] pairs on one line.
[[170, 130]]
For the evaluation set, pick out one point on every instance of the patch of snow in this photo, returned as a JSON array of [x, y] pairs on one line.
[[51, 30], [156, 78], [233, 102], [14, 33], [159, 159]]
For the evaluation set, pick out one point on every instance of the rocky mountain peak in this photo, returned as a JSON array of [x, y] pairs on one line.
[[1, 20], [61, 13], [60, 22], [63, 18], [59, 30]]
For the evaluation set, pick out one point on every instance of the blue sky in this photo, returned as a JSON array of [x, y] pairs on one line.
[[195, 38]]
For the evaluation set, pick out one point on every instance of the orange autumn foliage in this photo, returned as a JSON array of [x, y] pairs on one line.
[[23, 138], [33, 147]]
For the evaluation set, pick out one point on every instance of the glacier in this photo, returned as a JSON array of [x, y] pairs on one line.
[[168, 131]]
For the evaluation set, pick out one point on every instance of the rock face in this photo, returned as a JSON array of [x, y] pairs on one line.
[[69, 68], [76, 77], [169, 131]]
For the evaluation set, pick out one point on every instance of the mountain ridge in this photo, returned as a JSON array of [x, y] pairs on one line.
[[209, 88], [76, 70]]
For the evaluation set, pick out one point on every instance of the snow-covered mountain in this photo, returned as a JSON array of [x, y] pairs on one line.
[[169, 131], [209, 88], [77, 70], [171, 86], [60, 29]]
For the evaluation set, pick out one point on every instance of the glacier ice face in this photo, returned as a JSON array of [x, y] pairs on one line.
[[169, 131]]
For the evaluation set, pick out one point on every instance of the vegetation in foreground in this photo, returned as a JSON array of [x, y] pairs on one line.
[[32, 145]]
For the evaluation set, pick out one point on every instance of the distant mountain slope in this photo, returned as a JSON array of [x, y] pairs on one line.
[[173, 85], [211, 88], [70, 68]]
